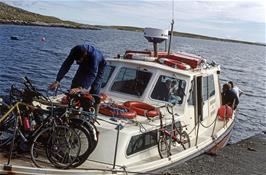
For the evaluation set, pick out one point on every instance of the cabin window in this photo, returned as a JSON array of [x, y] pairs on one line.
[[141, 142], [191, 98], [107, 74], [131, 81], [169, 89], [146, 140], [208, 88]]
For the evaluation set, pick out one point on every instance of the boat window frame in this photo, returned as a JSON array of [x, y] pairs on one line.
[[209, 94], [174, 76], [110, 75], [168, 126], [135, 67], [133, 153], [191, 100]]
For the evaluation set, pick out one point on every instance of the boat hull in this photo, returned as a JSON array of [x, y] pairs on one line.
[[159, 165]]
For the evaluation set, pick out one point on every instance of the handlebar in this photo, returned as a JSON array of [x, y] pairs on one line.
[[169, 107]]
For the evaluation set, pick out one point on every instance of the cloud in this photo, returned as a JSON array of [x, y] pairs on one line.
[[214, 17]]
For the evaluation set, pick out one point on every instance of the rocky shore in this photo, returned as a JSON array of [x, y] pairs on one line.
[[243, 158]]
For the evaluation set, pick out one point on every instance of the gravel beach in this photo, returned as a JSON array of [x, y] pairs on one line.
[[244, 158]]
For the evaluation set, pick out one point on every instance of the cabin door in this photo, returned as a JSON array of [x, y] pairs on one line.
[[208, 96], [205, 97], [199, 102]]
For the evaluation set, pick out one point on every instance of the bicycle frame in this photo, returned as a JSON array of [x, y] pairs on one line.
[[169, 133], [16, 106], [173, 135]]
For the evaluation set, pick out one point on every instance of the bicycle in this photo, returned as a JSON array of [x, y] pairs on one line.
[[17, 124], [172, 135], [72, 117], [80, 120]]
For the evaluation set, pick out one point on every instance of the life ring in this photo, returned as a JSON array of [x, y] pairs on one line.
[[115, 110], [143, 109], [192, 60], [140, 56], [174, 63], [225, 112]]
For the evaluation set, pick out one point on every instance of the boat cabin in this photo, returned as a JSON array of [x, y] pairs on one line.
[[194, 93]]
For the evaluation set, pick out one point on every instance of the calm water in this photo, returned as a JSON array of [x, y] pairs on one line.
[[40, 61]]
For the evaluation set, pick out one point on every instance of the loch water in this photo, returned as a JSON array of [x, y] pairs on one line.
[[38, 53]]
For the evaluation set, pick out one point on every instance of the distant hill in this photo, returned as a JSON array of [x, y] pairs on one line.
[[181, 34], [14, 15]]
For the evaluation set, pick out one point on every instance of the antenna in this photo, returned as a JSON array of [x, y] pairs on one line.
[[172, 27]]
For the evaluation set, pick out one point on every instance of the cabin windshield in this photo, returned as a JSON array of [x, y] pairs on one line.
[[107, 74], [131, 81], [169, 89]]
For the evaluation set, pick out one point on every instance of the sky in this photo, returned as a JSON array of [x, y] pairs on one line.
[[234, 19]]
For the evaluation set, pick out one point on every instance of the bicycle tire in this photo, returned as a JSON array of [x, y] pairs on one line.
[[7, 131], [86, 143], [91, 128], [51, 150], [95, 136], [163, 145], [5, 138], [65, 140], [185, 140]]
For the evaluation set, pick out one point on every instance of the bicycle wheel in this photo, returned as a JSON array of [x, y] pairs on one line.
[[163, 145], [86, 142], [58, 145], [6, 138], [91, 128], [7, 132], [184, 140], [94, 135]]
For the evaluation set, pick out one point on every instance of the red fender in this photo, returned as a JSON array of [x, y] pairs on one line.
[[110, 110], [225, 112], [143, 109]]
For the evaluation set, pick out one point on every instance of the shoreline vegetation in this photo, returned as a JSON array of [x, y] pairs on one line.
[[16, 16]]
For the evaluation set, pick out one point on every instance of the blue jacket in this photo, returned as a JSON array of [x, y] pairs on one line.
[[90, 71]]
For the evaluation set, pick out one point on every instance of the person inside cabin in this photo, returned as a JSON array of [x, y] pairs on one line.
[[229, 97], [236, 89], [176, 93], [162, 90], [180, 91], [90, 72], [173, 98]]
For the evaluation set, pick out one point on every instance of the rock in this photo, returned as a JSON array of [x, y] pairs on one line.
[[251, 149]]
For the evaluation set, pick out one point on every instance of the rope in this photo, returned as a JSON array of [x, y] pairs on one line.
[[210, 124], [142, 129]]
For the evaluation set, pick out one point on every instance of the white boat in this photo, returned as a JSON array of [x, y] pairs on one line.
[[129, 144]]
